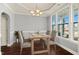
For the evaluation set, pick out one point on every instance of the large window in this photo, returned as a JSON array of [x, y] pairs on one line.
[[63, 23], [63, 28]]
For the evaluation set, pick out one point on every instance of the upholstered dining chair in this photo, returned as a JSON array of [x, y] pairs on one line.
[[53, 39], [23, 44], [26, 39]]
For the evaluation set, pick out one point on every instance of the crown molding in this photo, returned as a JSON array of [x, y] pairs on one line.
[[42, 10], [5, 4], [51, 11]]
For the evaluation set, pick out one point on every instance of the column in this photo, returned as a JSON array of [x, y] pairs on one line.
[[78, 28], [56, 24], [71, 21]]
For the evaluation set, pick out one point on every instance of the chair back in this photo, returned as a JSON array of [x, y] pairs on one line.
[[53, 35], [22, 34], [20, 38]]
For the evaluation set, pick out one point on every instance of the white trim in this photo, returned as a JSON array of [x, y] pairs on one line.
[[57, 11], [68, 39], [24, 13], [64, 47], [56, 24], [46, 10], [63, 8], [8, 7], [71, 21], [7, 15], [10, 44], [78, 29], [23, 7]]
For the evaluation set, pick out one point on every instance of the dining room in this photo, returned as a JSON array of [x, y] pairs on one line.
[[39, 29]]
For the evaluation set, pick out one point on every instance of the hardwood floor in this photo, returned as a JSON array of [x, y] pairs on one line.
[[15, 50]]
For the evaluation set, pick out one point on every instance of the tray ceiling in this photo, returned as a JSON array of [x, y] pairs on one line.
[[24, 8]]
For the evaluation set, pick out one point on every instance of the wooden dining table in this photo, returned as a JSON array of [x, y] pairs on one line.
[[37, 37]]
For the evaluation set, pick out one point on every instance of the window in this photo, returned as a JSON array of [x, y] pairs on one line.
[[63, 23], [53, 23], [75, 25], [59, 26], [65, 27]]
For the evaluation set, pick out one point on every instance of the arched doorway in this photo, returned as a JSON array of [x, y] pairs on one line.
[[4, 29]]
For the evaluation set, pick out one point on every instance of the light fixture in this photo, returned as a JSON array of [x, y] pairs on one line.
[[36, 12]]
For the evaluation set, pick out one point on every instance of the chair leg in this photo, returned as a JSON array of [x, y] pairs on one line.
[[43, 43], [55, 48], [21, 50]]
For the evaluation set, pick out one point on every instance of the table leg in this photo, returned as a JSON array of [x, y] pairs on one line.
[[48, 45], [32, 47]]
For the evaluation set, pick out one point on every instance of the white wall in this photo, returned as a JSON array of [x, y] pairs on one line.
[[4, 9], [49, 23], [30, 23]]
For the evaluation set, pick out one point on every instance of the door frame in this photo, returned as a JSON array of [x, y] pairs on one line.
[[8, 25]]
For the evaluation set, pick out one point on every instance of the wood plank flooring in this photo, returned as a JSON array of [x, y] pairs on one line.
[[15, 50]]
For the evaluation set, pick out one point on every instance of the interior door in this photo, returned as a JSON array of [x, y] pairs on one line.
[[4, 34]]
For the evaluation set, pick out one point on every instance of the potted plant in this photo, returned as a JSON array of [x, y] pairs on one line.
[[16, 35]]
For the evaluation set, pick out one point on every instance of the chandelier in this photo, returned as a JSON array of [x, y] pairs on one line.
[[38, 9], [36, 12]]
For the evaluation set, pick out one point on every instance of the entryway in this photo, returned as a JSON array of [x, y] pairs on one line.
[[4, 29]]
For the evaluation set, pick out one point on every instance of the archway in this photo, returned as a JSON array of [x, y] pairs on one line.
[[4, 29]]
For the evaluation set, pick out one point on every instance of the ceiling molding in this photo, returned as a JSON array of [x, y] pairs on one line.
[[8, 7], [23, 6], [41, 10], [55, 9], [27, 15], [52, 7], [49, 7], [58, 7]]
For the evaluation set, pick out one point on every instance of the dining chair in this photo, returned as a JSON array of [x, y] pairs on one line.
[[53, 39], [26, 39], [23, 44]]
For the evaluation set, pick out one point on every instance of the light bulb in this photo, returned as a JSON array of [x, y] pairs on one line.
[[33, 14], [37, 10], [37, 15], [32, 11], [41, 13]]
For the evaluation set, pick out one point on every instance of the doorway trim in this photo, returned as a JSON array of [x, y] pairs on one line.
[[8, 25]]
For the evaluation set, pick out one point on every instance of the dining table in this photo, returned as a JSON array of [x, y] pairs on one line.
[[36, 37]]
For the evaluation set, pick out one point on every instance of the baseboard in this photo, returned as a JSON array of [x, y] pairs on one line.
[[10, 44]]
